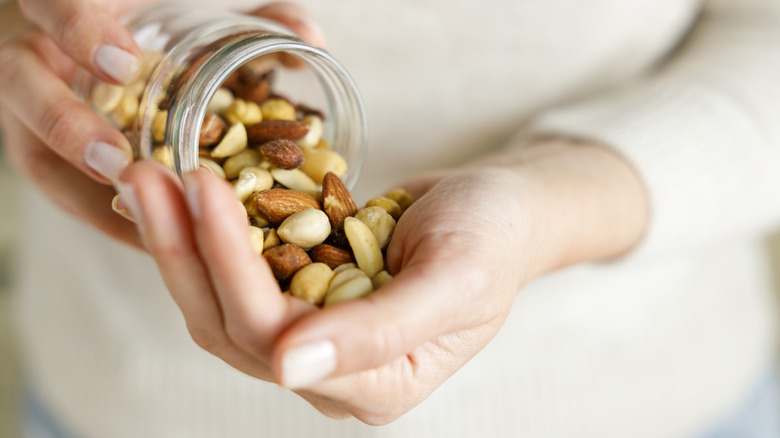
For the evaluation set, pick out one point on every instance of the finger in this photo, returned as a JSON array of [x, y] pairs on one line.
[[415, 307], [64, 184], [87, 33], [154, 195], [299, 21], [254, 308], [41, 100]]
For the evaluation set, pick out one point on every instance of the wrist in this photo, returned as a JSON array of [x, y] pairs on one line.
[[583, 201]]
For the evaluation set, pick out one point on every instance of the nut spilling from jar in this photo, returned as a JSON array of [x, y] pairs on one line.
[[301, 218]]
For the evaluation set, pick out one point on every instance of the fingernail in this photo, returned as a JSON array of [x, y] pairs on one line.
[[128, 197], [192, 193], [106, 159], [308, 364], [117, 63], [119, 206]]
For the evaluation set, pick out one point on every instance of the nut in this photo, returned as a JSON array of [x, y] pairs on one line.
[[247, 184], [336, 200], [364, 246], [305, 229], [253, 214], [221, 101], [254, 91], [241, 111], [330, 255], [310, 283], [379, 222], [381, 279], [211, 130], [295, 180], [338, 239], [313, 136], [106, 97], [387, 204], [344, 275], [245, 158], [215, 168], [159, 123], [124, 114], [351, 290], [256, 239], [318, 162], [344, 267], [268, 130], [277, 204], [264, 179], [285, 260], [164, 155], [282, 154], [402, 197], [277, 109], [232, 143], [271, 239]]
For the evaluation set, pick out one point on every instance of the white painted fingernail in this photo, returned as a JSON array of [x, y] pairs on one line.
[[120, 208], [308, 364], [192, 193], [117, 63], [129, 199], [106, 159]]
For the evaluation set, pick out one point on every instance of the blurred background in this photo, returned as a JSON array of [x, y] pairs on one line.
[[10, 367]]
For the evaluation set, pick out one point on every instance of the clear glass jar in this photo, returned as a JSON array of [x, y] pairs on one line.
[[189, 53]]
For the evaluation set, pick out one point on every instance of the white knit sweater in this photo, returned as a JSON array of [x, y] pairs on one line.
[[661, 343]]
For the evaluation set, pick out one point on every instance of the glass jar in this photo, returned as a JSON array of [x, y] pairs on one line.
[[189, 54]]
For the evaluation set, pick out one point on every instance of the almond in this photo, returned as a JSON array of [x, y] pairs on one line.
[[277, 204], [331, 256], [282, 153], [268, 130], [254, 92], [336, 200], [211, 130], [285, 260]]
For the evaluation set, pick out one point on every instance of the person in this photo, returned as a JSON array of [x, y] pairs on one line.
[[586, 258]]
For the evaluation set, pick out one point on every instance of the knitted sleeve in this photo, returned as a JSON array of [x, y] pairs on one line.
[[703, 130]]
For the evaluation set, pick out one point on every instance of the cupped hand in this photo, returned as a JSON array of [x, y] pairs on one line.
[[68, 151], [459, 255]]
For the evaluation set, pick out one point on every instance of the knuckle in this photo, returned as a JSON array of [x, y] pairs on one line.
[[243, 336], [206, 339], [73, 20]]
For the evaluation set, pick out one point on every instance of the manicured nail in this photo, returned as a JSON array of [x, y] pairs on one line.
[[308, 364], [117, 63], [129, 200], [106, 159], [192, 193], [119, 206]]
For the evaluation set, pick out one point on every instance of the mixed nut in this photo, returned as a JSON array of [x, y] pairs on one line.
[[302, 219]]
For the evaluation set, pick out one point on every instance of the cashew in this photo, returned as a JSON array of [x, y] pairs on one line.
[[277, 109], [381, 279], [220, 102], [233, 142], [246, 184], [364, 245], [314, 134], [264, 178], [106, 97], [353, 289], [387, 204], [318, 162], [296, 180], [305, 229], [311, 283], [245, 158], [379, 222], [241, 111], [256, 239], [215, 168]]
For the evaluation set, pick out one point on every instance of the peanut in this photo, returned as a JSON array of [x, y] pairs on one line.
[[305, 229], [311, 283]]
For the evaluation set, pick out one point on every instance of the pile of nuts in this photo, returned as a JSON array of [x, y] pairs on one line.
[[302, 219]]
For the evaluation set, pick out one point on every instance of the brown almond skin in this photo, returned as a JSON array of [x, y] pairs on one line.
[[255, 92], [282, 153], [212, 130], [337, 202], [285, 260], [331, 256], [277, 204], [269, 130]]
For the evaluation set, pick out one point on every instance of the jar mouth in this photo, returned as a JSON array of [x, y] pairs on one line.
[[347, 121]]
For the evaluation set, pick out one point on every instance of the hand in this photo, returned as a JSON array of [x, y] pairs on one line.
[[58, 142], [459, 254]]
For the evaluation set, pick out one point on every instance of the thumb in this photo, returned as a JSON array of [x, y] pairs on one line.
[[87, 33]]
